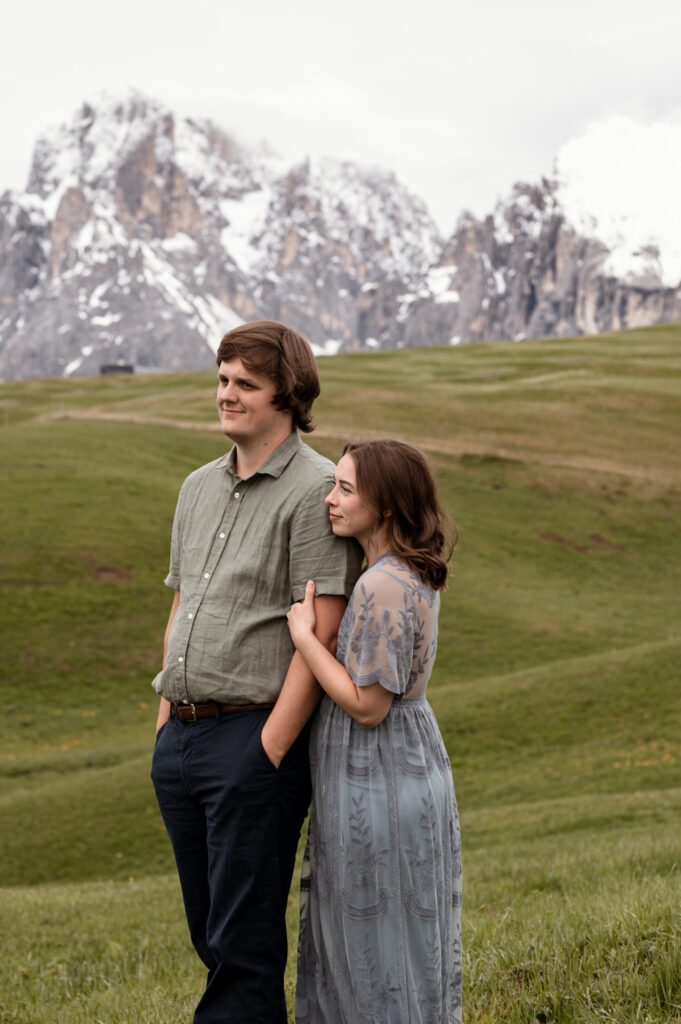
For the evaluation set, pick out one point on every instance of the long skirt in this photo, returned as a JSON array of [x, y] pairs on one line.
[[380, 932]]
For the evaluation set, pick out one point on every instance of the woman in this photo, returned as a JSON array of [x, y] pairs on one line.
[[380, 939]]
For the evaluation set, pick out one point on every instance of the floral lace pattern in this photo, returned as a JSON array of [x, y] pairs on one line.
[[380, 939]]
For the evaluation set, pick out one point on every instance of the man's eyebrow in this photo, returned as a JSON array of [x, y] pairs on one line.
[[240, 380]]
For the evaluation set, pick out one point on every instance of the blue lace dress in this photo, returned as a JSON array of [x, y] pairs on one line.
[[380, 929]]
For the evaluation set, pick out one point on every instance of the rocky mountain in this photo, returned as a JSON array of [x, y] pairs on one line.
[[596, 247], [142, 237]]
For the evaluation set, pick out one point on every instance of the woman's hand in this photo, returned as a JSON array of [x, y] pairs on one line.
[[301, 616]]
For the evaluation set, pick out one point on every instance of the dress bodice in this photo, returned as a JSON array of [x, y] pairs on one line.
[[389, 631]]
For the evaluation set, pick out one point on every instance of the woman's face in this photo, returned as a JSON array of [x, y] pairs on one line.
[[348, 514]]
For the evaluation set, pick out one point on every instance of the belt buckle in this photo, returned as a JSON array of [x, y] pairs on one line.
[[187, 705]]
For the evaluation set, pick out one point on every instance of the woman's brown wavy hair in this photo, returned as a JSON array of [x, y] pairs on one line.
[[395, 481]]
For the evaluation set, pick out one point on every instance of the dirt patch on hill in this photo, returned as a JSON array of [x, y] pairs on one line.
[[107, 574], [595, 538], [598, 539], [555, 538]]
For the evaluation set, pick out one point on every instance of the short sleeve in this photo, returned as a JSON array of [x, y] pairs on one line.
[[315, 553], [173, 577], [380, 645]]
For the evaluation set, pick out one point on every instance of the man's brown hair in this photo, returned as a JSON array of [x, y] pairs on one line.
[[282, 354]]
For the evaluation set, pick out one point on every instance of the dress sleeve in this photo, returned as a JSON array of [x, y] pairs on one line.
[[380, 646]]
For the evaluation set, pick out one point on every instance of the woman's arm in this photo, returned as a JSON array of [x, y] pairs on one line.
[[300, 694], [368, 705]]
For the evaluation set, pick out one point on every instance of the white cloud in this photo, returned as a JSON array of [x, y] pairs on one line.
[[460, 99]]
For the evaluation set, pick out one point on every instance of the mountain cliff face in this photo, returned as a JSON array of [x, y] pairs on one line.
[[596, 247], [143, 237], [527, 272]]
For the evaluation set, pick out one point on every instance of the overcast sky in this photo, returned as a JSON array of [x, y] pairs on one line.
[[460, 99]]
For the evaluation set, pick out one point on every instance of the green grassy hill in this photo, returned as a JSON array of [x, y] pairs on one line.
[[556, 686]]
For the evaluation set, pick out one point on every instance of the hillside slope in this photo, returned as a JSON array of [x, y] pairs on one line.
[[556, 683]]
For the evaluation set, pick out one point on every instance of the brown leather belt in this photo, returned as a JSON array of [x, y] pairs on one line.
[[193, 712]]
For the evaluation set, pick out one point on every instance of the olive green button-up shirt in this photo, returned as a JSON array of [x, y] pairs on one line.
[[241, 553]]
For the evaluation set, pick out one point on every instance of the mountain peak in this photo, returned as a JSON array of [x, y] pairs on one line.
[[145, 236], [86, 150]]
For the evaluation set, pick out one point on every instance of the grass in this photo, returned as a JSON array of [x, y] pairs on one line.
[[572, 916], [556, 684]]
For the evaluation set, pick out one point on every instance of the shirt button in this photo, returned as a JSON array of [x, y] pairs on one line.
[[222, 536], [180, 658], [236, 494], [190, 615], [206, 575]]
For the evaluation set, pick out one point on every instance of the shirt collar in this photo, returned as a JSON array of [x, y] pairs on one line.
[[276, 463]]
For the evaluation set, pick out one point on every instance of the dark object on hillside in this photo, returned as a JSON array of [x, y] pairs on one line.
[[116, 368]]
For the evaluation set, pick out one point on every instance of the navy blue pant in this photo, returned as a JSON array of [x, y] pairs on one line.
[[234, 821]]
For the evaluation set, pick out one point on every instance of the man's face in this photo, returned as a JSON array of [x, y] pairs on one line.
[[244, 401]]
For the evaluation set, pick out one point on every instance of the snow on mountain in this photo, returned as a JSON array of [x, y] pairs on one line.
[[142, 237], [353, 204], [619, 182], [595, 247]]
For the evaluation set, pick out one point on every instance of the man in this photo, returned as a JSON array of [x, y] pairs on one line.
[[230, 765]]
